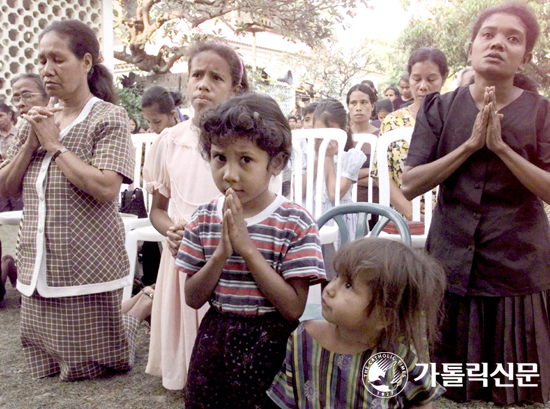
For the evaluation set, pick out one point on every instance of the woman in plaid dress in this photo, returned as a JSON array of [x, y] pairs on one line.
[[69, 161]]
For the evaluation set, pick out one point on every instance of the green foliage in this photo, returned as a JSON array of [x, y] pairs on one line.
[[330, 70], [137, 22], [129, 95]]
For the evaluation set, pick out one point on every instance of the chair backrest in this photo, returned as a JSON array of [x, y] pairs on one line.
[[370, 140], [364, 210], [303, 146], [142, 142], [384, 178]]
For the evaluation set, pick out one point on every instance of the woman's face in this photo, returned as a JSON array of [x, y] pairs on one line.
[[425, 78], [390, 94], [498, 50], [132, 125], [156, 120], [360, 107], [62, 73], [27, 95]]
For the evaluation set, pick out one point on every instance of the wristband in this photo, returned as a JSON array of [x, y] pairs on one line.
[[59, 152]]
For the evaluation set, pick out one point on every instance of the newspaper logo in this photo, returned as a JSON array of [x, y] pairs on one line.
[[385, 375]]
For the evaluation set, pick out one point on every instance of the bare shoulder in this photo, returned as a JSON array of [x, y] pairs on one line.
[[321, 331]]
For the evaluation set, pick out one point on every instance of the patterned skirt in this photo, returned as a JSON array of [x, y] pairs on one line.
[[235, 359], [506, 330], [78, 337]]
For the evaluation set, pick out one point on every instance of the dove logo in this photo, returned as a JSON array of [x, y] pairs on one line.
[[385, 375]]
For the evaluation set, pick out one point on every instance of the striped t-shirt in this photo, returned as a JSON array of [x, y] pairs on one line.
[[284, 233]]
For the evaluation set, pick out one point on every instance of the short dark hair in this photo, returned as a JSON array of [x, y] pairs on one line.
[[364, 89], [406, 288], [397, 93], [521, 11], [370, 84], [236, 65], [34, 78], [82, 41], [310, 108], [6, 109], [384, 105], [166, 101], [429, 54], [255, 117], [404, 78]]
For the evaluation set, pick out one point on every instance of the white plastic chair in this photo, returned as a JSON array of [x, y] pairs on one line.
[[12, 218], [303, 145], [418, 241], [139, 230], [371, 140]]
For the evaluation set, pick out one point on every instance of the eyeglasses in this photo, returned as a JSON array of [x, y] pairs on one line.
[[25, 96]]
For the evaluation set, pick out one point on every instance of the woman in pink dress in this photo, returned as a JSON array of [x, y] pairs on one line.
[[178, 176]]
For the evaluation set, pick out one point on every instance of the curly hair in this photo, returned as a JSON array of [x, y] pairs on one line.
[[255, 117], [406, 288]]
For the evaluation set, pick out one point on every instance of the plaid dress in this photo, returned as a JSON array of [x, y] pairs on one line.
[[71, 257]]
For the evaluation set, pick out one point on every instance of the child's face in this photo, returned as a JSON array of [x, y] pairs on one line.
[[308, 121], [156, 120], [209, 82], [246, 169], [345, 302], [382, 114]]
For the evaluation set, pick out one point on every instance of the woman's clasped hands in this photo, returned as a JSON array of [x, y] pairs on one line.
[[45, 132], [487, 131]]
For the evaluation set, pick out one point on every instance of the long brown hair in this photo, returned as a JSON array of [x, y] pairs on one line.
[[406, 288]]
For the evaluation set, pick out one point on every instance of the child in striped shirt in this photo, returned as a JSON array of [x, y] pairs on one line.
[[380, 316], [251, 254]]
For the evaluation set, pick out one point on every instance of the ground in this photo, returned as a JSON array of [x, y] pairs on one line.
[[132, 390]]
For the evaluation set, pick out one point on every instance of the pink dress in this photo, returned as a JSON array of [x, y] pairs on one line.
[[175, 167]]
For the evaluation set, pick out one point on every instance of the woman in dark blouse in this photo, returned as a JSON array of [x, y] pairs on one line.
[[488, 147]]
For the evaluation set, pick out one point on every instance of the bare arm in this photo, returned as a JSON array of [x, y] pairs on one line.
[[330, 177], [289, 297], [363, 178], [11, 176], [103, 185], [399, 201], [199, 286]]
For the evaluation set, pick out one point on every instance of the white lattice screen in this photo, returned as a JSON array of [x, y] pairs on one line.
[[21, 21]]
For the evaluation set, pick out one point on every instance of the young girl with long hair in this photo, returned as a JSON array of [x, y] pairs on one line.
[[250, 254], [332, 114], [177, 176], [385, 299], [159, 107], [487, 146]]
